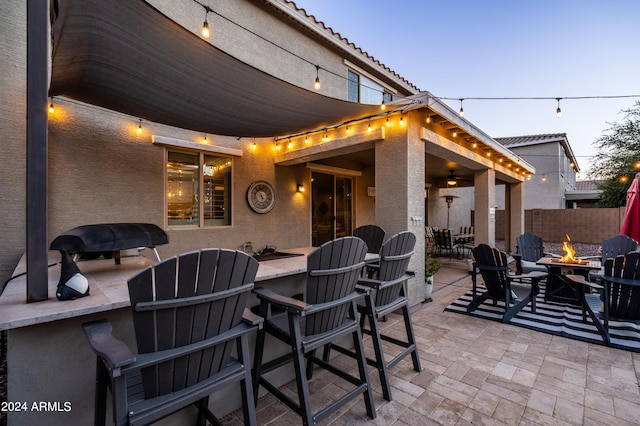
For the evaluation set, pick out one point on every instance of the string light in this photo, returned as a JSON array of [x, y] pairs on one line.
[[369, 128], [559, 111], [461, 109], [455, 133], [205, 25], [401, 120], [52, 109], [205, 139], [347, 130], [383, 106], [140, 126], [428, 119], [317, 83]]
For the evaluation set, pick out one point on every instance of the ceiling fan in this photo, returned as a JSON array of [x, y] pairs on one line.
[[452, 179]]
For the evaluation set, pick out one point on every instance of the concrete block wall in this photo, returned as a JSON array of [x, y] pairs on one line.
[[590, 226]]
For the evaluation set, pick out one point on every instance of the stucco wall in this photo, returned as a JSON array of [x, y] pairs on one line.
[[102, 170], [13, 135]]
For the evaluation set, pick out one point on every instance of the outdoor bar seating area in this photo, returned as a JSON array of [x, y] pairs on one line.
[[185, 302]]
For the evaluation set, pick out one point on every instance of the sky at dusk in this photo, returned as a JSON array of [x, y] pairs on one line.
[[507, 49]]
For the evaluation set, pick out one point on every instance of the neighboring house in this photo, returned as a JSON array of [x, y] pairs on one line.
[[586, 195], [556, 169]]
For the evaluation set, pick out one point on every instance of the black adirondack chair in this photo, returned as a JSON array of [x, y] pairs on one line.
[[372, 235], [388, 295], [612, 247], [621, 293], [502, 286], [188, 315], [328, 313], [530, 250]]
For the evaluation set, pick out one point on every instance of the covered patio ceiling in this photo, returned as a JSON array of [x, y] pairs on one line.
[[126, 56]]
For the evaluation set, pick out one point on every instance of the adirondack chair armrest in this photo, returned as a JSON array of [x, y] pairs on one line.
[[377, 284], [533, 275], [284, 302], [622, 281], [557, 256], [252, 319], [490, 267], [114, 352], [313, 308], [579, 279]]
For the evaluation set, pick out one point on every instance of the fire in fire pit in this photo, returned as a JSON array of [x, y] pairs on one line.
[[570, 254]]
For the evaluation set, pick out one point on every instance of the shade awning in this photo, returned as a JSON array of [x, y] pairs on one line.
[[126, 56]]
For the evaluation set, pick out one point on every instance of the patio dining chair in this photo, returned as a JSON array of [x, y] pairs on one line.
[[387, 295], [328, 313], [620, 287], [500, 284], [188, 315], [444, 242]]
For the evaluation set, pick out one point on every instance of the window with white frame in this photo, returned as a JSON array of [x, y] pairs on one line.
[[198, 189]]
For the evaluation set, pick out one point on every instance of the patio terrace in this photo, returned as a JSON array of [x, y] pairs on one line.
[[477, 371]]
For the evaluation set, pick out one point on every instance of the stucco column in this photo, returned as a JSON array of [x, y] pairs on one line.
[[400, 192], [485, 205], [515, 224]]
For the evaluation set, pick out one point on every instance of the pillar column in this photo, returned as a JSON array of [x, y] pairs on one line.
[[400, 192], [485, 207], [515, 224]]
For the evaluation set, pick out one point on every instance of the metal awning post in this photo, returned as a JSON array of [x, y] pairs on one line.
[[37, 150]]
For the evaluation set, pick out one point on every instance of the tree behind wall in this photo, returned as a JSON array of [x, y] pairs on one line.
[[618, 158]]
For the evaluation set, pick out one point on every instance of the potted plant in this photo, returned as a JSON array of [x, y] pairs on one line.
[[431, 266]]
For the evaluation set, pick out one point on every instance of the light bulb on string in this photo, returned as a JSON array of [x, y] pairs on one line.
[[428, 119], [383, 105], [52, 109], [205, 25], [558, 111], [140, 126], [461, 109], [317, 83]]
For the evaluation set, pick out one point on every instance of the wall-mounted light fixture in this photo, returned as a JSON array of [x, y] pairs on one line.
[[300, 187]]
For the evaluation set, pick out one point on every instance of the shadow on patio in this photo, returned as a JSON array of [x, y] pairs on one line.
[[477, 371]]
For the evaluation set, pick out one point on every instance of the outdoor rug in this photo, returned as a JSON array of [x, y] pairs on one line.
[[555, 318]]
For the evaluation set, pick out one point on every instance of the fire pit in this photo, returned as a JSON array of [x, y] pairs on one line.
[[558, 288], [569, 254]]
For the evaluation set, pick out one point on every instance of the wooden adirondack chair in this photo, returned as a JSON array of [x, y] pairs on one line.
[[494, 268], [612, 247], [530, 249], [389, 295], [328, 313], [372, 235], [188, 316], [620, 293]]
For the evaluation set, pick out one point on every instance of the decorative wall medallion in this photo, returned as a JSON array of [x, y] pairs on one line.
[[261, 196]]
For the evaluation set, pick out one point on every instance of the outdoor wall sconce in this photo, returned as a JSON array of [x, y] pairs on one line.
[[300, 187]]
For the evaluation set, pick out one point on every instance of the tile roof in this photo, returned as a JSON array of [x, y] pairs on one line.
[[586, 185], [345, 43]]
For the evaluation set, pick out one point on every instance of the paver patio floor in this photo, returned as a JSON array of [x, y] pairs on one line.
[[477, 371]]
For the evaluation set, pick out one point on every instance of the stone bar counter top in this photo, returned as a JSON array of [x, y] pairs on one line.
[[108, 287]]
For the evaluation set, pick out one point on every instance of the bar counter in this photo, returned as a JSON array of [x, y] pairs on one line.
[[48, 358]]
